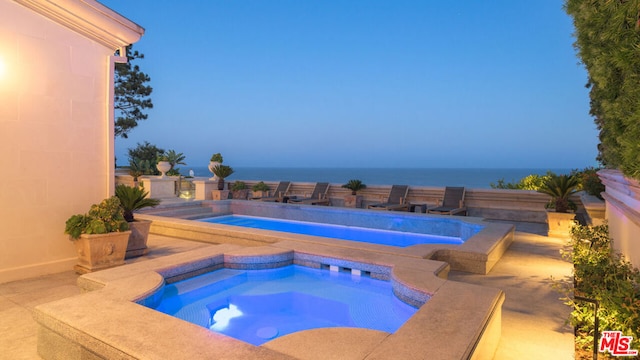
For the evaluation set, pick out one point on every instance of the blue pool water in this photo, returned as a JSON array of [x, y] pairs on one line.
[[368, 235], [256, 306]]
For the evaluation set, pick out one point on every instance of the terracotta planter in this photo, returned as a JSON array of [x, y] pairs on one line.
[[219, 194], [353, 201], [560, 223], [240, 194], [137, 245], [259, 194], [100, 251]]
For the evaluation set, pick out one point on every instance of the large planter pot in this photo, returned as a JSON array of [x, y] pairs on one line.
[[219, 194], [240, 194], [100, 251], [353, 201], [137, 245], [560, 223]]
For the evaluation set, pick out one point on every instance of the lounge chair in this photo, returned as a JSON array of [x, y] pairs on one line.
[[452, 202], [279, 194], [397, 199], [318, 196]]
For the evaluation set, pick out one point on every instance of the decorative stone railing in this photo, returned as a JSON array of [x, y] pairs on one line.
[[622, 198]]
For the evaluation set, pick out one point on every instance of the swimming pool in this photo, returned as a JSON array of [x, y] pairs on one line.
[[257, 306], [354, 233]]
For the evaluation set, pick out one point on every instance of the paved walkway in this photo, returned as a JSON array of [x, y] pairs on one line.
[[532, 318]]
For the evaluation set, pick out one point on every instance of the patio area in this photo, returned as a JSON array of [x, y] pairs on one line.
[[532, 319]]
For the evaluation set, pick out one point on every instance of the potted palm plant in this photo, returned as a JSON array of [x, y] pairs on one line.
[[259, 190], [221, 172], [239, 190], [353, 200], [216, 159], [560, 209], [100, 236], [132, 199]]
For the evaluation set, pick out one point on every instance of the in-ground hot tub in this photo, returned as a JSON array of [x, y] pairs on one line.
[[477, 247], [110, 320]]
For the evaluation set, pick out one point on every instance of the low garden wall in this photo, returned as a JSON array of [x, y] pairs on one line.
[[494, 204]]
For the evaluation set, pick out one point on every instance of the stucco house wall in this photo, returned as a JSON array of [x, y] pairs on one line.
[[56, 125], [622, 198]]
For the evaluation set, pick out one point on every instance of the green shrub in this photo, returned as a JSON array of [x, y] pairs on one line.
[[239, 185], [261, 186], [106, 217], [589, 181], [606, 277], [529, 182]]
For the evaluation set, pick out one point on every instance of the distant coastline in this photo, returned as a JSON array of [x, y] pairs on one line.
[[471, 178]]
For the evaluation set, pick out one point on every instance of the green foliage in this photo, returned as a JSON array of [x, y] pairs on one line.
[[239, 185], [606, 277], [261, 186], [608, 43], [529, 182], [132, 94], [138, 167], [589, 181], [354, 185], [144, 157], [560, 187], [223, 171], [102, 218], [132, 199], [217, 157], [174, 158]]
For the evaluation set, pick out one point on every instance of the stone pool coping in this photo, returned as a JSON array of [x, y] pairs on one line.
[[478, 254], [105, 322]]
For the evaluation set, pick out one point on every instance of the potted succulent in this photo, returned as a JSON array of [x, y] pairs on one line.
[[132, 199], [560, 209], [100, 236], [353, 200], [163, 164], [239, 190], [259, 190], [216, 159], [221, 172]]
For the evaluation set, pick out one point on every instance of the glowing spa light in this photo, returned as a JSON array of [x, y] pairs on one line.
[[221, 317]]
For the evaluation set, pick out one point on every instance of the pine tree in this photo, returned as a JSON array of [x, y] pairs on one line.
[[132, 94]]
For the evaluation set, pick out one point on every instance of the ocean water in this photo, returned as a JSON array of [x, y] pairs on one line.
[[470, 178]]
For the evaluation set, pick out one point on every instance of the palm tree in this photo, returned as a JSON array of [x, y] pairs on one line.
[[560, 187], [175, 158], [133, 198]]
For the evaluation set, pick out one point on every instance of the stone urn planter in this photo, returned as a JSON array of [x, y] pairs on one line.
[[100, 251], [560, 223], [137, 244], [163, 167]]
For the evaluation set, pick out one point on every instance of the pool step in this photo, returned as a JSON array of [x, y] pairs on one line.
[[195, 211]]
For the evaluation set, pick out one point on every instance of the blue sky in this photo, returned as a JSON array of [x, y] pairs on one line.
[[334, 83]]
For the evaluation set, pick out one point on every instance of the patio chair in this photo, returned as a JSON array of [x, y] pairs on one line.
[[397, 199], [281, 190], [317, 197], [452, 202]]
